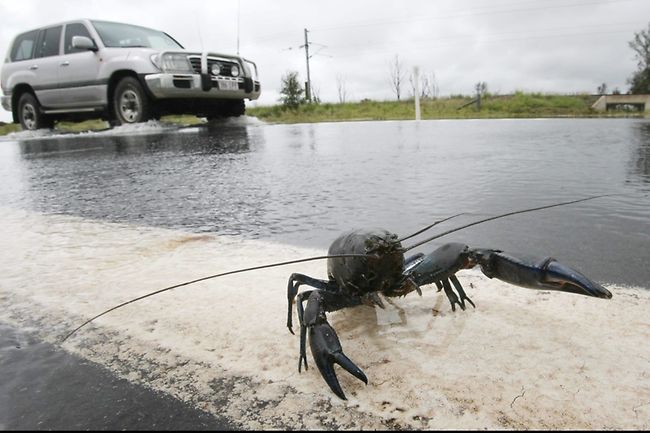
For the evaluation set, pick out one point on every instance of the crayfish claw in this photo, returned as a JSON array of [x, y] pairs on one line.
[[327, 351], [537, 273], [350, 367]]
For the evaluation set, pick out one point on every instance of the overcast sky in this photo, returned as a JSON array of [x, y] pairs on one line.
[[550, 46]]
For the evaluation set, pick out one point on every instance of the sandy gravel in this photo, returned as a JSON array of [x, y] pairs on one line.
[[522, 359]]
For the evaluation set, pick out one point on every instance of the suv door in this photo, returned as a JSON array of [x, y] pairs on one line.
[[78, 72], [45, 65]]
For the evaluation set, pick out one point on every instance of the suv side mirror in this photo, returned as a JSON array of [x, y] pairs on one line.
[[83, 43]]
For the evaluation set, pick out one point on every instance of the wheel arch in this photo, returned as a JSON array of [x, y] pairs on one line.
[[18, 91], [115, 78]]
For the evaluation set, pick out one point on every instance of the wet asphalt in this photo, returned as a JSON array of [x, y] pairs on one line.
[[43, 387]]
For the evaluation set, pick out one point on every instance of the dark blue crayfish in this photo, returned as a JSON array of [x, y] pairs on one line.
[[363, 264], [373, 263]]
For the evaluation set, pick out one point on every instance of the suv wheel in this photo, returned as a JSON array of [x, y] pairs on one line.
[[30, 115], [237, 108], [228, 109], [130, 102]]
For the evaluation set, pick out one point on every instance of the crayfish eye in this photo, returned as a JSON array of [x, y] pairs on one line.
[[371, 244]]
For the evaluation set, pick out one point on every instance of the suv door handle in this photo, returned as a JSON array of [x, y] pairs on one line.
[[33, 67], [66, 63]]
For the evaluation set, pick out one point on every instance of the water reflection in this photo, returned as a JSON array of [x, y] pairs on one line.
[[177, 178], [211, 138]]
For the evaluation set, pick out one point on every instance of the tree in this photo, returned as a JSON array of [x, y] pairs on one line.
[[427, 85], [640, 80], [291, 90], [396, 76], [602, 89]]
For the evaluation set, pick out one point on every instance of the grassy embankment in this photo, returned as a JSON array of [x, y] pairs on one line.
[[519, 105]]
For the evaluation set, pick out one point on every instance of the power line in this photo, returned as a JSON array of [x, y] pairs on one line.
[[470, 12], [426, 42], [459, 14]]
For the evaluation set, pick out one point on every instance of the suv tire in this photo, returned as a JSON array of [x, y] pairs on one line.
[[237, 108], [230, 108], [30, 115], [130, 102]]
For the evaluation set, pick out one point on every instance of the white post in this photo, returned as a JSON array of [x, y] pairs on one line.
[[416, 73]]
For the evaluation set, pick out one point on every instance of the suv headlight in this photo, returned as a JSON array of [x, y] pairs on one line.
[[172, 62], [234, 71]]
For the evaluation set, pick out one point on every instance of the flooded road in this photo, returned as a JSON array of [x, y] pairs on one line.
[[304, 184], [90, 220]]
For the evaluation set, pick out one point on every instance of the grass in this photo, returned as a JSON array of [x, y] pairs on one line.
[[519, 105], [7, 128], [98, 125]]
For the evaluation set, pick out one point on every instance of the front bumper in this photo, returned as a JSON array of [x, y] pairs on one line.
[[165, 86]]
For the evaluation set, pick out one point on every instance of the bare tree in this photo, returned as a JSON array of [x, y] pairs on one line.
[[602, 89], [340, 86], [431, 84], [396, 76], [428, 85]]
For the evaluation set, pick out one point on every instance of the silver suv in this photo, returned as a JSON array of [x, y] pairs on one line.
[[118, 72]]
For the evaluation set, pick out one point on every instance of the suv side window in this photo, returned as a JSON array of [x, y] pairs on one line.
[[23, 48], [75, 29], [49, 42]]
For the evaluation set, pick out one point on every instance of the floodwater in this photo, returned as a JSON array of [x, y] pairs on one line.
[[305, 184], [65, 199]]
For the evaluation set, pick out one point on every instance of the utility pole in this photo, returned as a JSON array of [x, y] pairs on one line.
[[308, 84], [416, 73]]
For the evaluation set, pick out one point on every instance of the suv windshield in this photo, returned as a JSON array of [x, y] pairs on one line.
[[117, 35]]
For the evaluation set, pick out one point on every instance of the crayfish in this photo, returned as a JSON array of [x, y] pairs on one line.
[[365, 263], [362, 264]]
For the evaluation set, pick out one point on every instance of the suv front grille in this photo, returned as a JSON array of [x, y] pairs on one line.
[[224, 66]]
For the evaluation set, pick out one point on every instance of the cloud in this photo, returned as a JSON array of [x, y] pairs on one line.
[[562, 46]]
